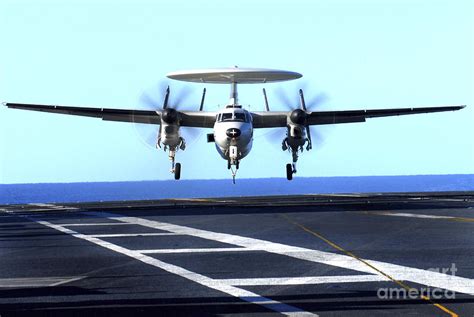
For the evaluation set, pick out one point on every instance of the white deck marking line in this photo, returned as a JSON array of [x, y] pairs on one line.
[[120, 235], [36, 281], [93, 224], [401, 214], [68, 281], [52, 206], [307, 280], [398, 272], [203, 250], [242, 294], [423, 216]]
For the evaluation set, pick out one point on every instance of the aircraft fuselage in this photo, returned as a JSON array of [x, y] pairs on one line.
[[233, 133]]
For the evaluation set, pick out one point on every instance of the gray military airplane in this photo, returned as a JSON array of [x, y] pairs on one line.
[[233, 126]]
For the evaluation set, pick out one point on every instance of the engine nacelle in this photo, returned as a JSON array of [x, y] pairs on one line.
[[170, 116], [169, 130], [298, 117], [296, 130]]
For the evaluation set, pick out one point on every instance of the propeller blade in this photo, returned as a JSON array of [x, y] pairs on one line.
[[314, 102], [155, 98], [192, 135], [271, 135], [317, 101], [319, 136], [302, 103], [201, 107], [284, 99], [152, 99], [147, 101], [308, 134], [147, 134], [167, 97], [266, 100], [181, 96]]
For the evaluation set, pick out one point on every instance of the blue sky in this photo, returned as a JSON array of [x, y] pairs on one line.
[[361, 54]]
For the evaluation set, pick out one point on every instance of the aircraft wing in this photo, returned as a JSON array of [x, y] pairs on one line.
[[279, 119], [196, 119]]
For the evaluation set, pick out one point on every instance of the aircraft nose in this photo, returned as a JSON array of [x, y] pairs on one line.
[[233, 132]]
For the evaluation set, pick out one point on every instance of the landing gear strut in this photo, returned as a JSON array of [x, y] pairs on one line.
[[233, 161], [291, 168], [175, 166], [234, 172]]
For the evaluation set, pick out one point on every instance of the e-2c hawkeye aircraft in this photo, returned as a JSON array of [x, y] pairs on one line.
[[233, 126]]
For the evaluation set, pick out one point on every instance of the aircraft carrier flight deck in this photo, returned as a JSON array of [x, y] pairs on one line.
[[405, 254]]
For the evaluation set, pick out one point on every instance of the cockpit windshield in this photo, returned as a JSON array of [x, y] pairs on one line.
[[239, 116], [233, 116], [226, 117]]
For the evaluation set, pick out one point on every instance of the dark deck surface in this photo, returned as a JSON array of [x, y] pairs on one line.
[[326, 255]]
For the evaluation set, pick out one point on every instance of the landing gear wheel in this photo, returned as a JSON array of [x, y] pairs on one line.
[[177, 171], [228, 165], [289, 172]]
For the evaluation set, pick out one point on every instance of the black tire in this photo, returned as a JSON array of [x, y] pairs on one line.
[[177, 171], [289, 172], [228, 165]]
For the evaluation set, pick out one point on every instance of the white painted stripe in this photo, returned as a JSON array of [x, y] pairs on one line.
[[120, 235], [68, 281], [52, 206], [398, 272], [401, 214], [195, 277], [307, 280], [203, 250], [36, 281], [93, 224], [42, 205]]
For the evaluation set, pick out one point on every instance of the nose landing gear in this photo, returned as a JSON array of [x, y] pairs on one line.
[[233, 161]]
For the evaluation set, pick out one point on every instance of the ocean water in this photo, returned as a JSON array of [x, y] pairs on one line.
[[143, 190]]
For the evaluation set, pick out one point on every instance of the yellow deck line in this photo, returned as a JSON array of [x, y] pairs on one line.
[[337, 247]]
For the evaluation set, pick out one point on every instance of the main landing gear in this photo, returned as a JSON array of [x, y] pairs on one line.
[[175, 167], [294, 150], [290, 170]]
